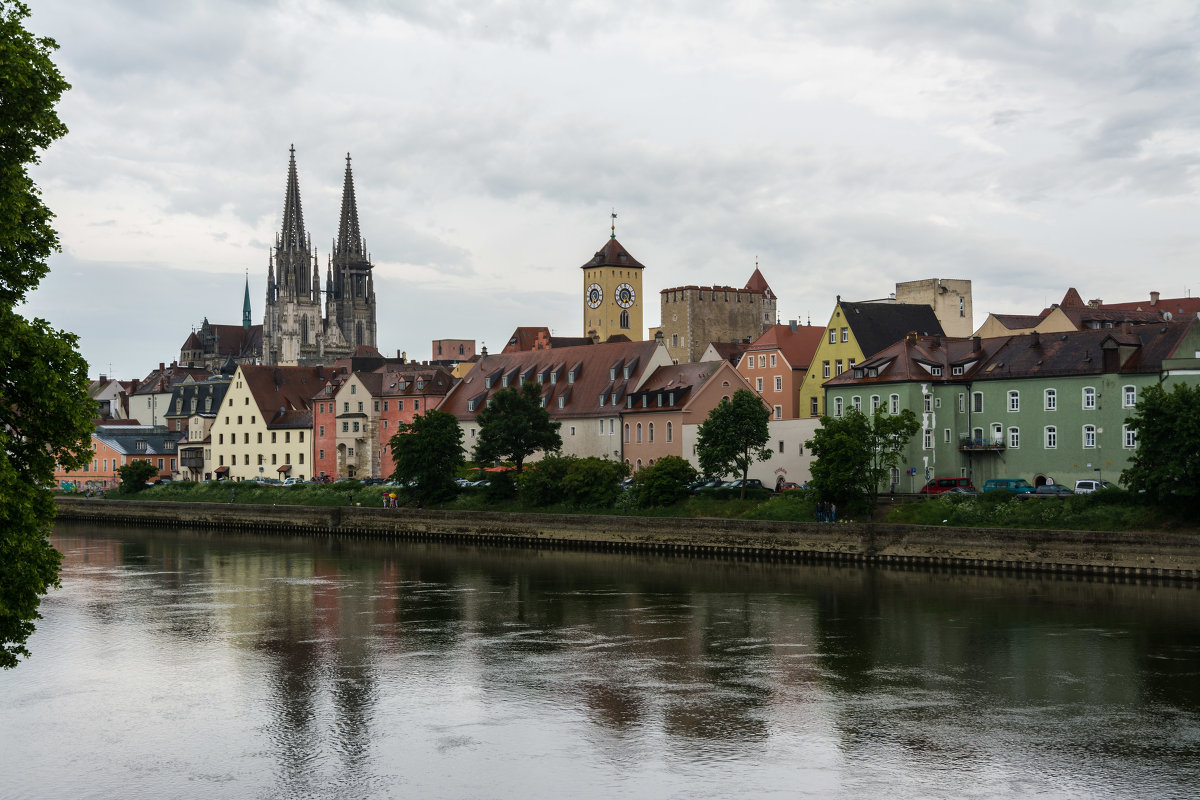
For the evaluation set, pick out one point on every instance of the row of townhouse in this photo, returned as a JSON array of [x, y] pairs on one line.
[[1046, 408], [115, 445]]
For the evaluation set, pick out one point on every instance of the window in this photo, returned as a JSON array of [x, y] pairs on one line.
[[895, 476], [385, 405], [956, 371], [825, 369], [1129, 396], [399, 405], [935, 372], [845, 334], [260, 458], [833, 335], [850, 363], [416, 405], [1014, 400], [962, 403], [894, 402], [260, 437], [670, 432], [977, 402], [778, 412], [837, 406], [762, 362], [321, 431], [1051, 400], [220, 438], [650, 432], [321, 454], [346, 407], [945, 436], [937, 402], [639, 433], [779, 383], [272, 437], [856, 401], [781, 447], [1014, 438], [1089, 398], [749, 362], [1089, 436], [355, 427], [353, 389], [772, 359], [360, 408], [245, 438], [627, 432], [928, 402], [302, 436], [997, 433], [927, 439], [572, 430], [1130, 437], [300, 457], [246, 459], [160, 464], [345, 427], [350, 452], [758, 385], [813, 407], [837, 365], [273, 455], [1051, 437], [376, 405]]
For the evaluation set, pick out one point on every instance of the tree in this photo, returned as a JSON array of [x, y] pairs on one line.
[[1166, 464], [664, 482], [134, 475], [428, 451], [542, 483], [45, 411], [734, 436], [853, 454], [513, 426], [593, 482]]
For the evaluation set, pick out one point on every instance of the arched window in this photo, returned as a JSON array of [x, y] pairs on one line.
[[358, 334], [1089, 436], [669, 431], [651, 432], [639, 437], [639, 464], [1051, 437], [625, 319], [304, 330], [626, 434]]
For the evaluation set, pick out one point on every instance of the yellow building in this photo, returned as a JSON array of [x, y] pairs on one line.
[[612, 293], [264, 426], [855, 331]]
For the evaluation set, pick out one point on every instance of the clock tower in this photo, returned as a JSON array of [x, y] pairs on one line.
[[612, 293]]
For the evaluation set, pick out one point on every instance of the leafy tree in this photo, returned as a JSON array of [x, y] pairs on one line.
[[664, 482], [1166, 465], [542, 483], [734, 436], [134, 476], [428, 451], [593, 482], [45, 411], [513, 426], [853, 454]]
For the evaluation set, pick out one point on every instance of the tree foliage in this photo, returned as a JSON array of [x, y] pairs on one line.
[[1165, 468], [593, 482], [513, 426], [134, 475], [45, 411], [853, 454], [428, 452], [663, 483], [734, 436], [542, 483]]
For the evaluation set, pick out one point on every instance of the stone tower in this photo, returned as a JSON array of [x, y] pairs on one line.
[[349, 286], [293, 324]]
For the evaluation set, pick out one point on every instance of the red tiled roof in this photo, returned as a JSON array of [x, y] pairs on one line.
[[758, 283], [613, 254], [1175, 305], [282, 394], [730, 351], [797, 346]]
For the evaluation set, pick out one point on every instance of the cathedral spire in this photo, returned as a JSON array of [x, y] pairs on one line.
[[293, 237], [246, 305], [349, 240]]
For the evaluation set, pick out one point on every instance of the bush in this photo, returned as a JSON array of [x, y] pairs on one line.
[[593, 482], [500, 487], [134, 476], [541, 484], [664, 482]]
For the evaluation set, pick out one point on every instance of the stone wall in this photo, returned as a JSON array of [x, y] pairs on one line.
[[1169, 555]]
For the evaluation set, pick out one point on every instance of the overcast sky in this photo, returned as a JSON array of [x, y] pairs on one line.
[[1028, 147]]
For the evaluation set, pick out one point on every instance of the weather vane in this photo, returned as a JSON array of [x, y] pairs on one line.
[[614, 224]]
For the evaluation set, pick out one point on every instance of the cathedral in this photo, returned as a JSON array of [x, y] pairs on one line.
[[295, 331]]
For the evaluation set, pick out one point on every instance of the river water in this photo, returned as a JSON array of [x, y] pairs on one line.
[[198, 665]]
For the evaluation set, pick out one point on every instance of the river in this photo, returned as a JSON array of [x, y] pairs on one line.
[[196, 665]]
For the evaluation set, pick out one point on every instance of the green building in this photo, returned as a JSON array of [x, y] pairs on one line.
[[1043, 407]]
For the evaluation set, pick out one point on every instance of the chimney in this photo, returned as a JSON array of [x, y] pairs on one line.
[[1154, 298], [161, 366], [934, 343], [1126, 328], [1034, 339], [976, 344], [103, 378], [793, 324]]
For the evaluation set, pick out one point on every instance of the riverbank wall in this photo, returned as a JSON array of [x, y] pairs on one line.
[[1145, 554]]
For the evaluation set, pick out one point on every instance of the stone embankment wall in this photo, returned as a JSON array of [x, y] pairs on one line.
[[1168, 555]]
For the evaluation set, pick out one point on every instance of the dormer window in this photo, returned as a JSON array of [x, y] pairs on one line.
[[602, 401], [504, 381], [140, 445], [612, 374], [553, 378], [470, 405], [670, 398], [561, 401], [935, 372], [643, 401], [571, 377], [543, 402], [626, 372], [956, 371], [873, 372]]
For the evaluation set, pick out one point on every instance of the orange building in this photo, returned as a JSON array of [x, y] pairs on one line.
[[775, 364], [114, 446]]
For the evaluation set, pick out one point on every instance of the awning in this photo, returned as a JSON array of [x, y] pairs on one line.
[[222, 470], [285, 468]]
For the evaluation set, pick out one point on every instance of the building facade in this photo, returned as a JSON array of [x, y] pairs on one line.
[[693, 317], [612, 293]]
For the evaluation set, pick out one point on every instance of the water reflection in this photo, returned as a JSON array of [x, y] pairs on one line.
[[304, 667]]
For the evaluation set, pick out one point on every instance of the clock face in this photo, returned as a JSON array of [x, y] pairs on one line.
[[594, 295], [625, 295]]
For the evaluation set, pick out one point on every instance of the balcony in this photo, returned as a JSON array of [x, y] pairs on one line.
[[984, 445]]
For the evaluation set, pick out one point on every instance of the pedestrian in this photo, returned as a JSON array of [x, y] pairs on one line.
[[385, 498], [821, 511], [395, 503], [833, 512]]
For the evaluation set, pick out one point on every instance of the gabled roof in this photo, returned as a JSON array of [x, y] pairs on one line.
[[1175, 305], [125, 439], [797, 345], [590, 364], [613, 254], [914, 359], [1019, 321], [165, 378], [215, 388], [282, 394], [729, 351], [1085, 317], [877, 325], [1072, 299]]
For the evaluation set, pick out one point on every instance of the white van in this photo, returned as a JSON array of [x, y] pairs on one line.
[[1089, 486]]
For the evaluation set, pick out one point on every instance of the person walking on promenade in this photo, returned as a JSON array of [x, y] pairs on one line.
[[832, 512]]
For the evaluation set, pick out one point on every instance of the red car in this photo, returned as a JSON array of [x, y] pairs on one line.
[[940, 485]]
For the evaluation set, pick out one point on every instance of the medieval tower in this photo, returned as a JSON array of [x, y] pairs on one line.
[[295, 331]]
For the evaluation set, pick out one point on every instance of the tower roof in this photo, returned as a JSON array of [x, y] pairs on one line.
[[292, 235], [246, 312], [758, 283], [349, 239], [613, 254]]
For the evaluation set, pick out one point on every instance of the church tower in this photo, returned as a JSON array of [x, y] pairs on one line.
[[612, 292], [292, 326], [350, 287]]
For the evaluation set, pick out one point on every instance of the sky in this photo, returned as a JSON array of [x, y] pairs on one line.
[[842, 146]]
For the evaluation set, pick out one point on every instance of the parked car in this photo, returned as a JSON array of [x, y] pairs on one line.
[[1049, 490], [1091, 485], [748, 483], [292, 481], [940, 485], [962, 490], [788, 486], [708, 483], [1014, 485]]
